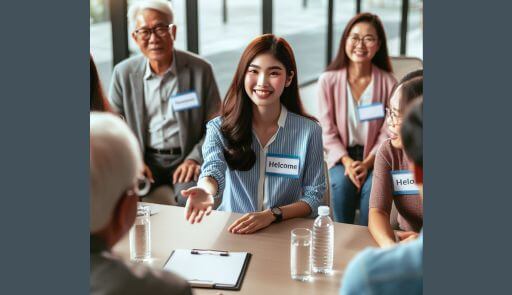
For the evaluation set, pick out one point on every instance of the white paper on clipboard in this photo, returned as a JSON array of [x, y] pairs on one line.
[[224, 270]]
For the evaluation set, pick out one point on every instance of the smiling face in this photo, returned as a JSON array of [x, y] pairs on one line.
[[156, 48], [265, 80], [362, 43]]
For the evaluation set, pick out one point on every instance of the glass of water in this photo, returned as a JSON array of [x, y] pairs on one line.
[[300, 254], [140, 235]]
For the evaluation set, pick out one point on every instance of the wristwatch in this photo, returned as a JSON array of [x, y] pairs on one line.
[[278, 214]]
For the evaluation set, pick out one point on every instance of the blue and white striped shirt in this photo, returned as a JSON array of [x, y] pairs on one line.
[[255, 190]]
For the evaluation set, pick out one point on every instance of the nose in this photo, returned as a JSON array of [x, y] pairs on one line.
[[262, 79], [152, 37]]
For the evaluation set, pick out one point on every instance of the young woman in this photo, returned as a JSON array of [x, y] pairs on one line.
[[353, 94], [263, 155], [392, 180]]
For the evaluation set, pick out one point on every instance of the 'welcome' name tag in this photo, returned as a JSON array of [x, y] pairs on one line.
[[403, 183], [282, 165], [371, 111], [185, 101]]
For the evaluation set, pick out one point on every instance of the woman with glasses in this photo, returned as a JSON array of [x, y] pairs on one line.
[[392, 180], [353, 94]]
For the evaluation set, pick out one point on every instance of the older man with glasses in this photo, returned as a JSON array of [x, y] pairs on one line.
[[167, 96], [116, 169]]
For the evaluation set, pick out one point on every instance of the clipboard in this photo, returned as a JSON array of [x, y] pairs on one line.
[[211, 269]]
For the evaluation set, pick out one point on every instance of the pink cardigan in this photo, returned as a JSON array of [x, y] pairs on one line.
[[332, 99]]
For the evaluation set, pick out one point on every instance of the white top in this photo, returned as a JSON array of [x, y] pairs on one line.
[[263, 189], [357, 131], [163, 129]]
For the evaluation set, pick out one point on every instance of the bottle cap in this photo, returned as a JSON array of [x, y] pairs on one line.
[[323, 210]]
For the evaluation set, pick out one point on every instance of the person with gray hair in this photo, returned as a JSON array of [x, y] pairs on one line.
[[115, 167], [167, 96]]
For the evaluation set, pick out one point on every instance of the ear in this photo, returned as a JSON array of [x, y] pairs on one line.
[[124, 214], [174, 30], [418, 173], [134, 37], [289, 79]]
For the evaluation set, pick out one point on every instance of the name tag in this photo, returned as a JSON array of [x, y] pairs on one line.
[[403, 183], [371, 111], [282, 165], [184, 101]]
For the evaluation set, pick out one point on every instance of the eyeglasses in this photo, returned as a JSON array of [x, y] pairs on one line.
[[393, 118], [141, 189], [367, 40], [160, 31]]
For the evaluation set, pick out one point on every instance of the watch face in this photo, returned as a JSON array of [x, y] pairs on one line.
[[276, 211]]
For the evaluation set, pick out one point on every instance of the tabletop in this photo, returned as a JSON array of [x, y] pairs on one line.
[[269, 268]]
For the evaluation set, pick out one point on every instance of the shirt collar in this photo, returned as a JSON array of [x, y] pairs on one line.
[[148, 73], [282, 116]]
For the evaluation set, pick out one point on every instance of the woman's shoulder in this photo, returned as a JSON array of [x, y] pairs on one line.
[[331, 76], [386, 76], [303, 122], [215, 122]]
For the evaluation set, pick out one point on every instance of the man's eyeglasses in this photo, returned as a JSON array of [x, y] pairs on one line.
[[141, 189], [367, 40], [145, 33], [393, 118]]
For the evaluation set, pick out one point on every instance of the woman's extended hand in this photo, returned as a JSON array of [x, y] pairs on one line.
[[252, 222], [199, 204]]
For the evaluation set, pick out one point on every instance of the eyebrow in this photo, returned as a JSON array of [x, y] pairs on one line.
[[270, 68], [367, 35]]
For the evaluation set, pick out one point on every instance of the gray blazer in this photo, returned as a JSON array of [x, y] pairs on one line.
[[127, 98]]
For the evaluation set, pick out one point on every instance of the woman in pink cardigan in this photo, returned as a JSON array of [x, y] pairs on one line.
[[353, 94]]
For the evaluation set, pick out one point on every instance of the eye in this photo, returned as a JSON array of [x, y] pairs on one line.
[[274, 73], [252, 71]]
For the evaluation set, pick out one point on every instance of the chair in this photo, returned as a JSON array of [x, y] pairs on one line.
[[403, 65]]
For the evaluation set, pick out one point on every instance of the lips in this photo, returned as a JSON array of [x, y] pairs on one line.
[[262, 93]]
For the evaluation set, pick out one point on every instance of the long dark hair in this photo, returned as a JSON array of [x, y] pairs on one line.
[[236, 109], [381, 58], [98, 100]]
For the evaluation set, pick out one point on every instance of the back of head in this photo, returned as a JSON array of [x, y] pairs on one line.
[[412, 132], [162, 6], [115, 163]]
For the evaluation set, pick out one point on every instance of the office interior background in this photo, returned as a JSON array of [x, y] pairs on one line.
[[219, 30]]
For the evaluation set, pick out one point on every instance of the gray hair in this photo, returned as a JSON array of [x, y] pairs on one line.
[[162, 6], [115, 162]]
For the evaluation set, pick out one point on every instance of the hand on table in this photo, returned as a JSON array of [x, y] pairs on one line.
[[199, 204], [406, 236], [252, 222], [187, 171]]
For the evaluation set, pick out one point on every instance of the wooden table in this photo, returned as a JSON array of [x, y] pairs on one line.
[[269, 268]]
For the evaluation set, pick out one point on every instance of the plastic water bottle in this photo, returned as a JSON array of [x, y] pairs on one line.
[[323, 242]]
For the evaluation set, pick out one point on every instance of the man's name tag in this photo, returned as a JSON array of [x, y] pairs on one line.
[[371, 111], [403, 183], [282, 165], [185, 101]]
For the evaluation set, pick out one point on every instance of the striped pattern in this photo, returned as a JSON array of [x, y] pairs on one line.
[[298, 136]]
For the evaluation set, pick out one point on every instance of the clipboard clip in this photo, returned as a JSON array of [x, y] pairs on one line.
[[209, 252]]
